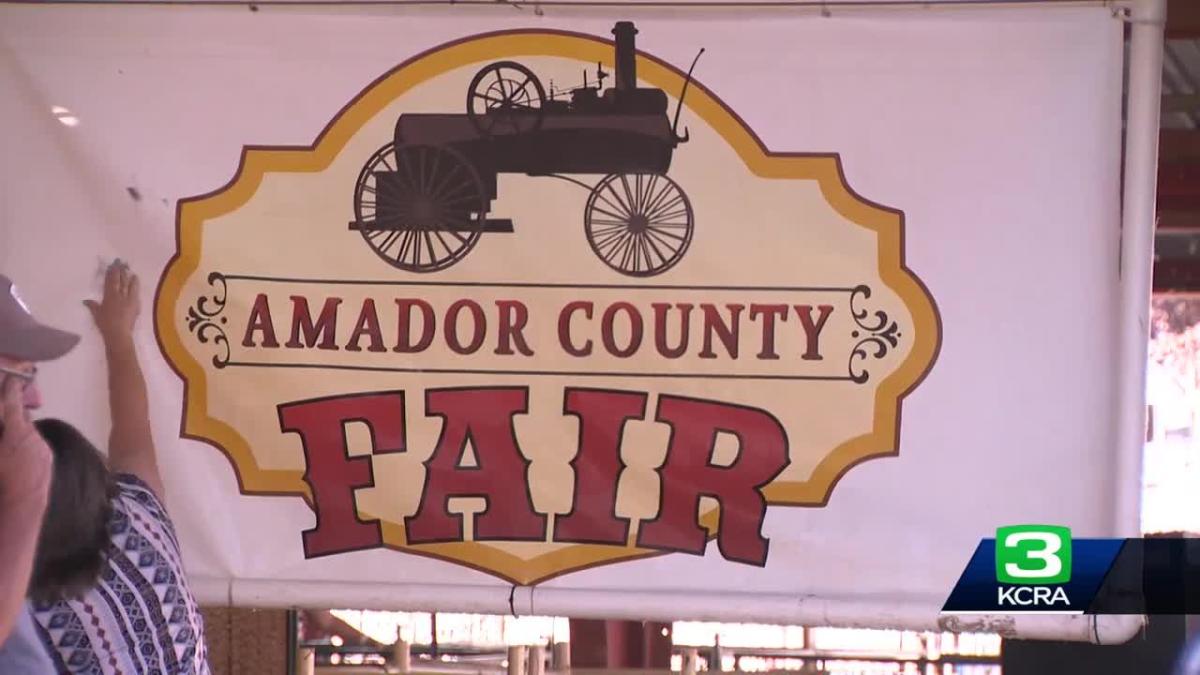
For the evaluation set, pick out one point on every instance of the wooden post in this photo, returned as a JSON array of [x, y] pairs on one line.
[[718, 656], [589, 643], [433, 645], [537, 660], [620, 644], [690, 657], [562, 656], [306, 663], [248, 640], [401, 654], [516, 660], [656, 646]]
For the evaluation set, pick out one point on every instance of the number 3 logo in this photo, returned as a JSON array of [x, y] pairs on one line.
[[1033, 554]]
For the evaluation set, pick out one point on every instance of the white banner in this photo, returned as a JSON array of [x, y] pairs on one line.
[[963, 164]]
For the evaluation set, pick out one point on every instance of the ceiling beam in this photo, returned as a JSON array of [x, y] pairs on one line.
[[1179, 202], [1180, 103], [1178, 276], [1183, 19], [1178, 220], [1179, 178], [1178, 144]]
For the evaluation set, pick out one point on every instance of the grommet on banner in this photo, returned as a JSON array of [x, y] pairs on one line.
[[1125, 14]]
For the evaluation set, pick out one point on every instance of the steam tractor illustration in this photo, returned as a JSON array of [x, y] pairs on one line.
[[422, 202]]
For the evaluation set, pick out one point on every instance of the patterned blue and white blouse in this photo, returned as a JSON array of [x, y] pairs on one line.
[[141, 618]]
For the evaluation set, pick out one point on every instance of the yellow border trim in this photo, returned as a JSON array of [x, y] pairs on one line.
[[882, 441]]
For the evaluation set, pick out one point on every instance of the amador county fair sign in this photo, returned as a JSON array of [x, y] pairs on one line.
[[531, 327]]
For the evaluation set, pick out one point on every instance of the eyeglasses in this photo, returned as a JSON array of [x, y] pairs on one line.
[[27, 375]]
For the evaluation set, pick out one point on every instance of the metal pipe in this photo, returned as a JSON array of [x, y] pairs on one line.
[[293, 641], [781, 608], [823, 5], [626, 55], [849, 612], [281, 593], [433, 636], [1148, 19]]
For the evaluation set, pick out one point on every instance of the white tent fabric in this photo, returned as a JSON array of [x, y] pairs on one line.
[[997, 131]]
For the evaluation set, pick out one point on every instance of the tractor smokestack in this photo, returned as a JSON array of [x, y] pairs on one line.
[[626, 56]]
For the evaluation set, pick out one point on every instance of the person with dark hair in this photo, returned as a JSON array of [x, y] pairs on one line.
[[25, 472], [108, 592], [71, 546]]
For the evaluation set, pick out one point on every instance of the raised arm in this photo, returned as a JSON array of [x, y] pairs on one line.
[[130, 444], [25, 468]]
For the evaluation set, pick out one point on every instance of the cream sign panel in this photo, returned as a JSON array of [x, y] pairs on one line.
[[536, 301]]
